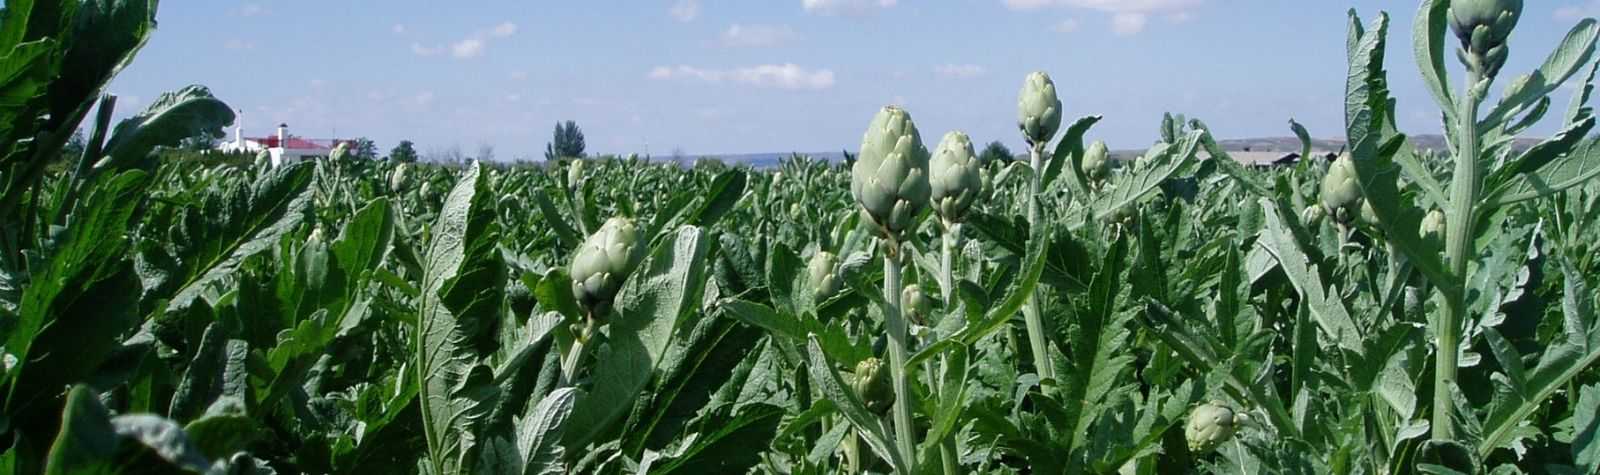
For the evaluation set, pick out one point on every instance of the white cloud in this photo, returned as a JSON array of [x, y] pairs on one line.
[[1126, 24], [1066, 26], [781, 76], [514, 98], [685, 10], [318, 83], [467, 48], [252, 9], [757, 35], [424, 98], [424, 51], [1128, 17], [519, 75], [398, 29], [503, 30], [959, 71], [830, 7]]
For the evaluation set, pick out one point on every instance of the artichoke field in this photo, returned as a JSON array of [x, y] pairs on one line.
[[912, 311]]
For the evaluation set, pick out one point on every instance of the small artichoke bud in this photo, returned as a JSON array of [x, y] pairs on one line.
[[955, 177], [263, 159], [339, 152], [1038, 109], [602, 264], [890, 179], [1341, 193], [397, 178], [575, 173], [1210, 425], [1096, 164], [1433, 226], [871, 383], [1369, 215], [915, 304], [796, 211], [1483, 27], [1312, 216], [824, 275]]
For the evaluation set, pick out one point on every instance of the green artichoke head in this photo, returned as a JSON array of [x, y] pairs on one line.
[[823, 275], [1210, 425], [955, 176], [890, 177], [1495, 17], [871, 383], [1341, 192], [1312, 215], [602, 264], [915, 304], [397, 178], [1038, 108], [339, 152], [1096, 164], [1433, 226]]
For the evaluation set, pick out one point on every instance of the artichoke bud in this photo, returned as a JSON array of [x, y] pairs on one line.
[[1341, 193], [575, 173], [1433, 226], [1038, 108], [823, 275], [263, 159], [1369, 215], [1096, 164], [915, 304], [339, 152], [1312, 215], [602, 264], [397, 178], [797, 211], [1210, 425], [871, 383], [890, 179], [1482, 25], [955, 177]]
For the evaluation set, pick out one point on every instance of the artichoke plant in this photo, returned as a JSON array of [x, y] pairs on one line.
[[823, 275], [871, 383], [397, 178], [916, 304], [955, 176], [1038, 109], [575, 173], [602, 264], [1096, 164], [1433, 226], [1312, 216], [1210, 425], [1341, 193], [890, 178]]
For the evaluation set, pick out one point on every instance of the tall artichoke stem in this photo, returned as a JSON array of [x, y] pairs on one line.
[[1030, 310], [904, 439], [569, 365], [947, 280], [1458, 242]]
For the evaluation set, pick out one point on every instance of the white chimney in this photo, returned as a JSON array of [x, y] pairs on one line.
[[283, 136], [238, 132]]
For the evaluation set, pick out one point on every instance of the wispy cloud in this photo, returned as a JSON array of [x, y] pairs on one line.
[[473, 46], [959, 71], [831, 7], [757, 35], [1066, 26], [1128, 17], [781, 76], [251, 9], [685, 10], [398, 29], [519, 75], [1577, 12], [239, 45]]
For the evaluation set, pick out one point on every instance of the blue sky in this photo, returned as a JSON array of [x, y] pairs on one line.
[[735, 76]]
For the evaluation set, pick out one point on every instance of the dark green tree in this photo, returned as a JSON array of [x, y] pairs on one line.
[[996, 151], [566, 143], [364, 148], [406, 152]]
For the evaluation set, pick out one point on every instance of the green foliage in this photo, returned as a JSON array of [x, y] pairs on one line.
[[565, 142]]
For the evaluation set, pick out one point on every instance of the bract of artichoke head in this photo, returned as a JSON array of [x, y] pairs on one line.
[[955, 176], [1496, 17], [1038, 108], [1341, 192], [890, 176], [871, 383], [823, 275], [602, 264], [1096, 163], [1210, 425]]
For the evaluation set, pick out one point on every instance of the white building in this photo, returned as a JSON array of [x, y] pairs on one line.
[[283, 148]]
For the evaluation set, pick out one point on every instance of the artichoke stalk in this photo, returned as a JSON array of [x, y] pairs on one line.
[[890, 182], [1039, 115]]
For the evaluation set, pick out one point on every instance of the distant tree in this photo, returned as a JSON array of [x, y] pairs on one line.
[[486, 152], [567, 142], [996, 151], [406, 152], [199, 143], [364, 148]]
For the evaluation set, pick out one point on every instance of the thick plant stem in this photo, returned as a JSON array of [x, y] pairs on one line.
[[904, 440], [1458, 246], [1030, 310], [947, 279], [569, 365]]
